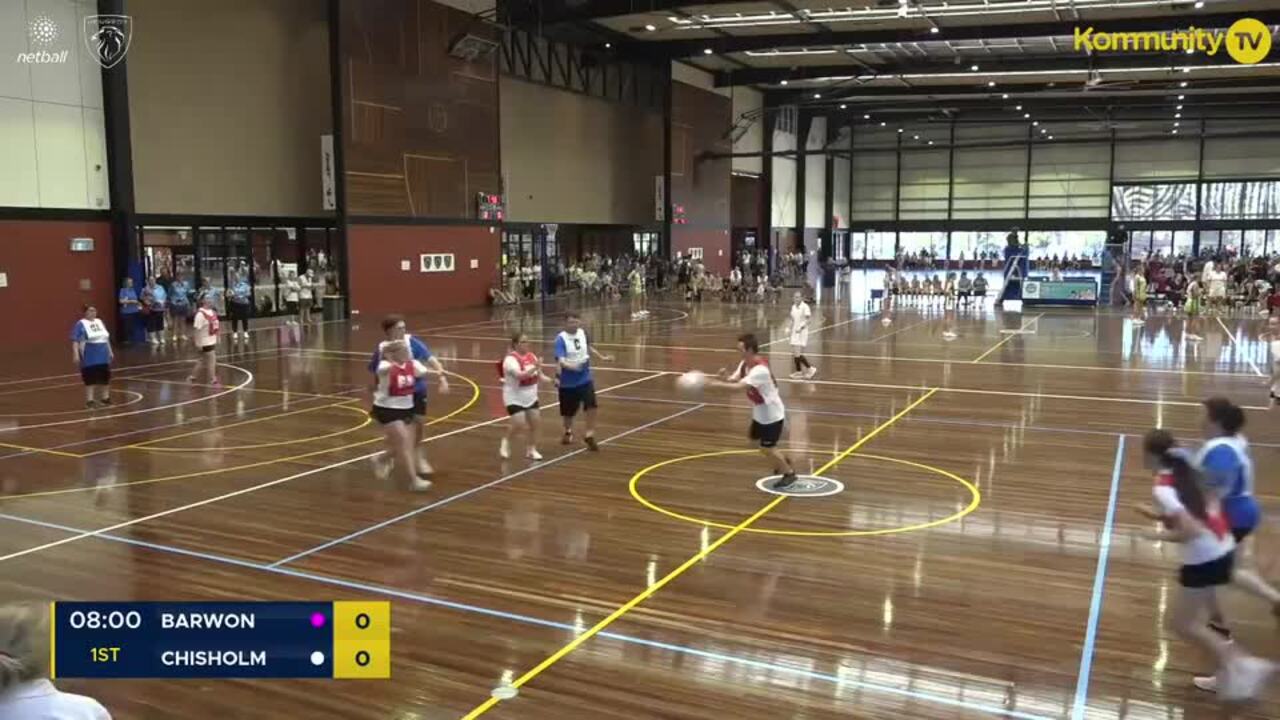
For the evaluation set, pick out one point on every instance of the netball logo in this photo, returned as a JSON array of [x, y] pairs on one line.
[[804, 486], [108, 37]]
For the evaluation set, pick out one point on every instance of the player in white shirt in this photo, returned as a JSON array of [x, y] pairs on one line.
[[798, 329], [1272, 336], [767, 411], [521, 372], [393, 400], [1192, 516], [206, 337], [292, 290], [25, 690]]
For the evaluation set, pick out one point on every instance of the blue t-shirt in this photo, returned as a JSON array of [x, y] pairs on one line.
[[573, 346], [1228, 469], [181, 295], [158, 297], [240, 292], [420, 352], [94, 353], [128, 294]]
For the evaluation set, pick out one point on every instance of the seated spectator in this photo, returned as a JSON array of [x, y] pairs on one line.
[[26, 692]]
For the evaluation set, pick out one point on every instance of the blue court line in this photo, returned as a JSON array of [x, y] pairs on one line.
[[476, 489], [1099, 584], [530, 620]]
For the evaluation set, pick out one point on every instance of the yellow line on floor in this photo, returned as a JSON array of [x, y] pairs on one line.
[[1007, 339], [666, 579]]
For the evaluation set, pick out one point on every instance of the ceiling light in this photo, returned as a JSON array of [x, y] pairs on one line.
[[608, 45], [915, 137], [1019, 107], [973, 68], [843, 107], [1050, 137], [1182, 97], [784, 82], [1043, 131], [1178, 108], [934, 30], [991, 83], [1176, 124], [1199, 4], [1005, 96], [1182, 84], [650, 28], [1035, 122], [930, 142], [706, 51], [817, 96], [866, 117], [899, 129], [1174, 131], [1026, 115], [883, 123], [1177, 115]]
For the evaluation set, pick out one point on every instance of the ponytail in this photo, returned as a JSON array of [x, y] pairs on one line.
[[1186, 479], [24, 644]]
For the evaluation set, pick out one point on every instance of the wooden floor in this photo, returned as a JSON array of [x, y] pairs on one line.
[[1038, 601]]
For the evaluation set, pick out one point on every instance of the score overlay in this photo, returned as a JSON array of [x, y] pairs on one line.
[[342, 640]]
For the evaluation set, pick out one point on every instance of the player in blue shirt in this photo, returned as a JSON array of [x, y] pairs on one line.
[[154, 299], [394, 327], [179, 309], [241, 307], [130, 308], [577, 389], [1227, 467], [91, 350]]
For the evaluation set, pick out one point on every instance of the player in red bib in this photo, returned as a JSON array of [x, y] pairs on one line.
[[206, 335], [398, 373], [767, 411], [1192, 517], [521, 372]]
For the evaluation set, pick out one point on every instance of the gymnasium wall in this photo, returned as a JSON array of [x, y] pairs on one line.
[[421, 128], [815, 175], [572, 158], [700, 123], [379, 284], [227, 103], [52, 139], [748, 118], [46, 281]]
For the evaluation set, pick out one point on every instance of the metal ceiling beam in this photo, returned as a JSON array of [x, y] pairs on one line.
[[751, 76], [549, 12], [1004, 29], [940, 93]]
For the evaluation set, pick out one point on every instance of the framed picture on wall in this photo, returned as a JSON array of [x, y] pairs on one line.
[[436, 262]]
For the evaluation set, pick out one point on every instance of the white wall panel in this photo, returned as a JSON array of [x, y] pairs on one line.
[[815, 179], [1138, 160], [748, 101], [784, 181], [18, 179], [15, 77], [60, 157], [874, 184], [95, 159], [57, 82]]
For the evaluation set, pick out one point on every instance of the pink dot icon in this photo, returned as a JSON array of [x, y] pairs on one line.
[[317, 620]]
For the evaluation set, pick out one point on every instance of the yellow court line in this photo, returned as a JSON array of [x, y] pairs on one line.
[[691, 562], [475, 397], [1007, 339], [24, 448], [1240, 348], [279, 443], [877, 358]]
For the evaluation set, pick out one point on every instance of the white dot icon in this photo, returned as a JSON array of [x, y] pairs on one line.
[[317, 658], [42, 30]]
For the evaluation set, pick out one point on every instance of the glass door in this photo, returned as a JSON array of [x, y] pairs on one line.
[[1232, 241], [1139, 244], [211, 249]]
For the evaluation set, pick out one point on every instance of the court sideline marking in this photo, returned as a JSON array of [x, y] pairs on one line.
[[383, 591], [691, 562], [1099, 586], [1009, 337], [458, 496], [1240, 349]]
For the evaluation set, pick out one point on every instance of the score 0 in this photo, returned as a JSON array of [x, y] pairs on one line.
[[362, 640]]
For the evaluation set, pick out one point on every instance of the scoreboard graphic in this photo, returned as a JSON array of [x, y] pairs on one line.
[[342, 640]]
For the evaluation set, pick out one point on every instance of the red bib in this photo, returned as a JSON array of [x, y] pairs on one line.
[[400, 379], [753, 394], [526, 361], [212, 318]]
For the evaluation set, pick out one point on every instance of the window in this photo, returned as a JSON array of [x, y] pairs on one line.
[[1171, 201], [840, 246], [1085, 244], [1183, 242], [1241, 200], [968, 246], [857, 246], [920, 243], [881, 245], [644, 243]]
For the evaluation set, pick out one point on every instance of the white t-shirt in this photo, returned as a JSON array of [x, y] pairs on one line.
[[515, 390], [291, 288], [1214, 539], [40, 700], [206, 325], [1275, 364], [762, 391], [800, 315], [395, 389]]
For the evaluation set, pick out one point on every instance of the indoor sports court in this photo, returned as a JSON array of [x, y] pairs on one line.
[[639, 359]]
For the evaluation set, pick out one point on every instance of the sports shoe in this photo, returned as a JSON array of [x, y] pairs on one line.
[[105, 401], [1245, 678], [797, 375], [567, 439], [91, 404], [381, 468], [504, 449], [784, 482], [420, 484], [810, 372], [591, 443], [533, 455]]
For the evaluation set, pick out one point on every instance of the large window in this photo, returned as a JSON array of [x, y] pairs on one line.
[[881, 245], [968, 246], [1241, 200], [920, 243], [644, 243], [1070, 244], [1168, 201]]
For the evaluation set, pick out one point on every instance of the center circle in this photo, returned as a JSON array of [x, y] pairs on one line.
[[975, 497]]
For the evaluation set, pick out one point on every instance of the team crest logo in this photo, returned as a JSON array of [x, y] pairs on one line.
[[439, 261], [804, 486], [448, 262], [108, 38]]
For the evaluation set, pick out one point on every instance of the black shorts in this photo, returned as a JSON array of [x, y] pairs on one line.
[[582, 396], [96, 374], [291, 306], [768, 435], [1241, 533], [155, 322], [517, 409], [208, 348], [1210, 574], [386, 415], [420, 404]]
